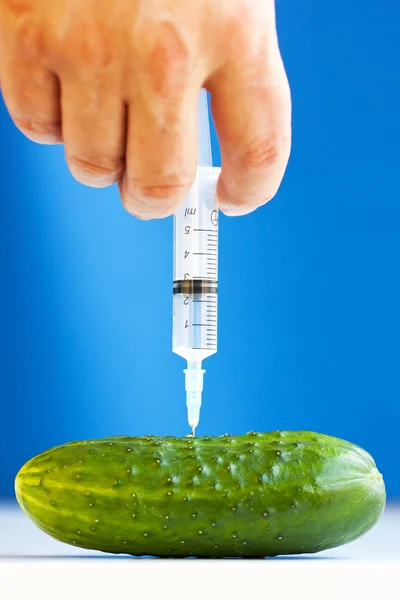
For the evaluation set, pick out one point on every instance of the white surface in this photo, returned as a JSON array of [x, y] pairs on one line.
[[33, 565]]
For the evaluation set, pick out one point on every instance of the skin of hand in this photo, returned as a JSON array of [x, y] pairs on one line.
[[117, 82]]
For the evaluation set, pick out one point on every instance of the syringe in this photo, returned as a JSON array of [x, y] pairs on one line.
[[196, 270]]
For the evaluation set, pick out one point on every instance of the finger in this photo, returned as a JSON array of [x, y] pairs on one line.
[[252, 112], [31, 94], [161, 155], [93, 127]]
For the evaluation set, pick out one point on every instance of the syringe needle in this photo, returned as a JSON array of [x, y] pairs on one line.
[[194, 387], [193, 431]]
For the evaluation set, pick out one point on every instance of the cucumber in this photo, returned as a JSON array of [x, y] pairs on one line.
[[256, 495]]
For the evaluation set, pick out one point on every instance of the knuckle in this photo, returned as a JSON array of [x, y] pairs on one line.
[[246, 203], [28, 36], [97, 171], [30, 39], [168, 60], [240, 19], [137, 206], [237, 25], [162, 191], [241, 203], [39, 131], [35, 44], [130, 201], [263, 154], [232, 198], [90, 44], [162, 187], [155, 200], [18, 7], [231, 211]]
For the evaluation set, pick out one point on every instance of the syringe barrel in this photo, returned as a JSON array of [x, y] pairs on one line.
[[196, 269], [196, 230]]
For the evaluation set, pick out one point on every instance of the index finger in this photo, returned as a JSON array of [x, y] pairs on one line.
[[251, 107]]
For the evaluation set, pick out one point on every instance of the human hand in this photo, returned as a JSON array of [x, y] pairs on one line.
[[117, 81]]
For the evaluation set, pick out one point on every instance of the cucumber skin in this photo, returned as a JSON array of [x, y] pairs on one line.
[[256, 495]]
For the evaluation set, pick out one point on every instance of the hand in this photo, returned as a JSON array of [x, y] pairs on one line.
[[117, 81]]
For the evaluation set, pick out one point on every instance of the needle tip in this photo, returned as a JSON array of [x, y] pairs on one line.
[[193, 430]]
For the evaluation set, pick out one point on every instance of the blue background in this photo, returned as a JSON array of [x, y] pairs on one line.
[[309, 324]]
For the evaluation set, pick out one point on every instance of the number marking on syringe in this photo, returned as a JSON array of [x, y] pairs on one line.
[[207, 318]]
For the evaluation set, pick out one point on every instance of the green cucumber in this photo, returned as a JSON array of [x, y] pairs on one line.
[[260, 494]]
